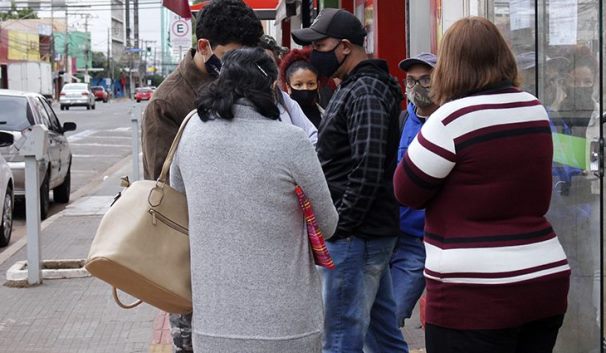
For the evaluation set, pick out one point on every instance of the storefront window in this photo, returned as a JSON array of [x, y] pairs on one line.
[[556, 43]]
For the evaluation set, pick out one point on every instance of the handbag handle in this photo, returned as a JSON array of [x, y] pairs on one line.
[[173, 148], [122, 305]]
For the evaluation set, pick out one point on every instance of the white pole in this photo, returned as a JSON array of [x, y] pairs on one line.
[[32, 218]]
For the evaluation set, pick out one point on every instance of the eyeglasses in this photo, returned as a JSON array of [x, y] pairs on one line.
[[424, 81]]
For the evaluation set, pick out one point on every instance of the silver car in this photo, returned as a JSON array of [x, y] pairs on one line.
[[20, 111], [6, 192], [77, 94]]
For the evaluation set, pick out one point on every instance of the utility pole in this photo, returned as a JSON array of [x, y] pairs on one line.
[[65, 54], [88, 49], [127, 21], [137, 43], [110, 72], [136, 22], [130, 52], [52, 60]]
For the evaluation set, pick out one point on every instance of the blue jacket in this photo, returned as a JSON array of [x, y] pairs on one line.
[[412, 222]]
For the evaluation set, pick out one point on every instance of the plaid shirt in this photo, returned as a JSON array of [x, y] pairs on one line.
[[357, 146]]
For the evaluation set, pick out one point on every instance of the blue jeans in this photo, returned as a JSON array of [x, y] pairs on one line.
[[407, 265], [358, 287]]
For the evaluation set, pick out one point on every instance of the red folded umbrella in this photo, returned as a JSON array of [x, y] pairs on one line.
[[316, 238]]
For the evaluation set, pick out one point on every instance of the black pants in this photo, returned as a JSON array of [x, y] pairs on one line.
[[533, 337]]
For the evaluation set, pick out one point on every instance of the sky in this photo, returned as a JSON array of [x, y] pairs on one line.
[[149, 20]]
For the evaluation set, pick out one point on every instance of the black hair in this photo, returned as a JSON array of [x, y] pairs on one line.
[[246, 73], [228, 21], [299, 64]]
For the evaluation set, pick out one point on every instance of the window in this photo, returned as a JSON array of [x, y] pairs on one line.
[[54, 122], [15, 114]]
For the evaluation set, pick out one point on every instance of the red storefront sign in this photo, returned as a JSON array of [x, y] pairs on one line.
[[254, 4]]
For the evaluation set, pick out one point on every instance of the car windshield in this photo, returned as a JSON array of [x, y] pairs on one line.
[[97, 89], [15, 114], [75, 86], [144, 90]]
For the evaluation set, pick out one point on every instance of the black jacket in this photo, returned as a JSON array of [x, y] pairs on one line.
[[357, 146]]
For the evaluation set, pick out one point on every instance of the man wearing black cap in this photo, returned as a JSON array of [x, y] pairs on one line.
[[357, 146]]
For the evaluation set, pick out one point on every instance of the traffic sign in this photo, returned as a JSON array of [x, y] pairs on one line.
[[180, 34]]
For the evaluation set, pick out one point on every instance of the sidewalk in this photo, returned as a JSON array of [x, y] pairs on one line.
[[79, 315], [76, 315]]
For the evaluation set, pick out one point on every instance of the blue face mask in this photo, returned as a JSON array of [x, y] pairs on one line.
[[213, 65]]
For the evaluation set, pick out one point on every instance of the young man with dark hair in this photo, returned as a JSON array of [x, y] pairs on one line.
[[221, 26], [357, 147]]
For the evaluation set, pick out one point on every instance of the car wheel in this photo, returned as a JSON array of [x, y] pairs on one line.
[[88, 107], [6, 227], [67, 107], [138, 101], [62, 107], [44, 196], [94, 106], [61, 192], [105, 101]]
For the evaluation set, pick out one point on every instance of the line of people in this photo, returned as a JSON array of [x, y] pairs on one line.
[[497, 277]]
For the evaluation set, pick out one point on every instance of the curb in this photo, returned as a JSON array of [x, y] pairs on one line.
[[51, 269], [161, 338]]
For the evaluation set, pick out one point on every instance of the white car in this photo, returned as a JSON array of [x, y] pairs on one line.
[[76, 94], [7, 192], [18, 112]]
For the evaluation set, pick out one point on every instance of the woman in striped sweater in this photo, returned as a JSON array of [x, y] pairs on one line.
[[497, 276]]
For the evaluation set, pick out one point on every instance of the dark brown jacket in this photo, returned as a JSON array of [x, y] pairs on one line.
[[171, 103]]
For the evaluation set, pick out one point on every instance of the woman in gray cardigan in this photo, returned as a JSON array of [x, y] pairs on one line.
[[254, 283]]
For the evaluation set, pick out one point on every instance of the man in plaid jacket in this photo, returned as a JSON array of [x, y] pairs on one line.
[[357, 146]]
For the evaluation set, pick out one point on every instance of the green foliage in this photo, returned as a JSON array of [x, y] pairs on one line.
[[18, 14], [156, 80]]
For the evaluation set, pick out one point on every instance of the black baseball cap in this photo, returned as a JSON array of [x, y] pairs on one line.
[[334, 23]]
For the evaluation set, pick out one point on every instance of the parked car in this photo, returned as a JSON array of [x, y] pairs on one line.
[[76, 94], [143, 94], [6, 190], [100, 94], [19, 112]]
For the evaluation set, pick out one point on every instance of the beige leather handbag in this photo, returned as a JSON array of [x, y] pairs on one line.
[[142, 244]]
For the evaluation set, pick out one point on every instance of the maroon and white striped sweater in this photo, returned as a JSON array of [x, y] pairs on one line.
[[481, 166]]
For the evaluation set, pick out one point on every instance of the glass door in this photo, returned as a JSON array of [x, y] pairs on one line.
[[557, 45]]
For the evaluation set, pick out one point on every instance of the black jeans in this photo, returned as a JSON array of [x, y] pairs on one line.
[[533, 337]]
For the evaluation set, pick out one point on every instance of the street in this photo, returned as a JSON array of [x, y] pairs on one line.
[[102, 139]]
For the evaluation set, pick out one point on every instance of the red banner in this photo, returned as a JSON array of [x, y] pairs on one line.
[[254, 4], [180, 7]]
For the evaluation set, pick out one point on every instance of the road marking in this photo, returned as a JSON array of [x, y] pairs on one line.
[[111, 137], [96, 155], [81, 135], [99, 144], [124, 129]]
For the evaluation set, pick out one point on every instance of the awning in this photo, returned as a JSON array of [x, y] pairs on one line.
[[265, 9]]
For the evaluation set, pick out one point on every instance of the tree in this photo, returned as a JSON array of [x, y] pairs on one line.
[[100, 61], [18, 14]]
